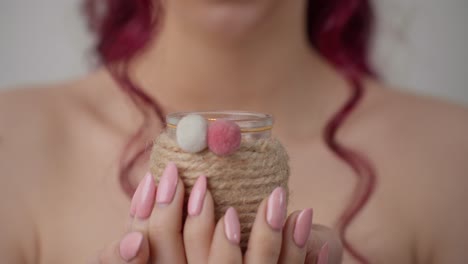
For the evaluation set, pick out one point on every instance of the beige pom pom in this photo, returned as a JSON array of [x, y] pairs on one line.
[[191, 133]]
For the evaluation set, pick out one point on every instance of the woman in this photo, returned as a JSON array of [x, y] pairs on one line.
[[61, 146]]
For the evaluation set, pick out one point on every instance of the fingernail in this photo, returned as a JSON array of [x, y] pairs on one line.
[[323, 255], [167, 185], [232, 226], [136, 199], [130, 245], [197, 197], [302, 227], [146, 199], [276, 208]]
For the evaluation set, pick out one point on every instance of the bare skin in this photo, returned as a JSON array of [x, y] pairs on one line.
[[60, 145]]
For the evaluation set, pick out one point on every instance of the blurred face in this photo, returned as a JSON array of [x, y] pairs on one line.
[[232, 17]]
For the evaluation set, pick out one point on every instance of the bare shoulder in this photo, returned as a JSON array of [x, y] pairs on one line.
[[31, 118], [422, 127], [34, 131], [27, 109], [419, 147], [41, 126], [29, 123], [38, 119]]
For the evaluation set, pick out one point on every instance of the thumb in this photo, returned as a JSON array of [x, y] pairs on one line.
[[133, 248]]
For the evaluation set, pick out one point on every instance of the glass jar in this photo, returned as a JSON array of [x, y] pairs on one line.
[[241, 180]]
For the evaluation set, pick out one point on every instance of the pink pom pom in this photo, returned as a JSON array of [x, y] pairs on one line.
[[224, 137]]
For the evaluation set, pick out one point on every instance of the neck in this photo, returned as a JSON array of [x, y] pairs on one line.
[[236, 56]]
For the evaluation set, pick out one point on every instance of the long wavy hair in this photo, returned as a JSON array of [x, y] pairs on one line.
[[340, 30]]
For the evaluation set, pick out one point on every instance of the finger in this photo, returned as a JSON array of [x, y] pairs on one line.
[[324, 246], [266, 236], [142, 205], [295, 237], [199, 225], [136, 198], [225, 247], [165, 224], [133, 248]]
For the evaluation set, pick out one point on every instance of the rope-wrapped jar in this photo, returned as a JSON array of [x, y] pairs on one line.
[[241, 179]]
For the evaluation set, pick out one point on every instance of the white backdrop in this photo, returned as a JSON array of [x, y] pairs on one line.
[[420, 45]]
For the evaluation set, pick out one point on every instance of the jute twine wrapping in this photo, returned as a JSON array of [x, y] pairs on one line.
[[241, 180]]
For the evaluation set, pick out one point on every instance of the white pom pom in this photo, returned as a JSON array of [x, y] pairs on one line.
[[191, 133]]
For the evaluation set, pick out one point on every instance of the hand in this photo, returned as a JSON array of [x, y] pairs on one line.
[[158, 235]]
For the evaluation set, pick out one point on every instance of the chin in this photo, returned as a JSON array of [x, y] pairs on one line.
[[233, 18]]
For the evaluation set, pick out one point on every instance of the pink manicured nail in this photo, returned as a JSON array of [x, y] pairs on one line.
[[232, 226], [136, 199], [197, 197], [302, 227], [276, 209], [167, 185], [130, 245], [323, 254], [146, 199]]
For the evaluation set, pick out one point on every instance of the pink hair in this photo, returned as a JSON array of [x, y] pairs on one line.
[[340, 30]]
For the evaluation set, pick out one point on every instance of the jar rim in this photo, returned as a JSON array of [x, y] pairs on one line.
[[247, 121]]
